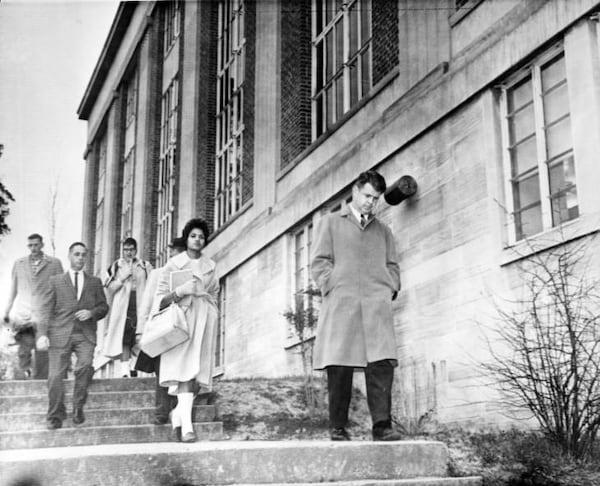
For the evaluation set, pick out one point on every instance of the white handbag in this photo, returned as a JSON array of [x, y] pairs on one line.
[[164, 330]]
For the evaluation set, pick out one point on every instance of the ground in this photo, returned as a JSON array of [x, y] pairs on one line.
[[275, 409]]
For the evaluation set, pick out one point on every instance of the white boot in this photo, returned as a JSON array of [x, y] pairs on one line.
[[185, 402]]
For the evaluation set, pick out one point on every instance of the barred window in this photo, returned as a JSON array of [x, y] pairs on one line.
[[171, 25], [230, 119], [166, 176], [341, 59], [539, 160], [303, 299], [129, 156], [100, 204], [220, 345]]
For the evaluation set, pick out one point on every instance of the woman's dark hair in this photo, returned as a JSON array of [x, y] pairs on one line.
[[196, 223]]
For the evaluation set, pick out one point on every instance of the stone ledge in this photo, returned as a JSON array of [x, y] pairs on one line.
[[223, 462]]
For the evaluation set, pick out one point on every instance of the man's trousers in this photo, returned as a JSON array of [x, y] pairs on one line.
[[59, 361], [25, 339], [379, 377]]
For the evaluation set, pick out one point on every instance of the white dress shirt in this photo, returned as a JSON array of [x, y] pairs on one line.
[[80, 278]]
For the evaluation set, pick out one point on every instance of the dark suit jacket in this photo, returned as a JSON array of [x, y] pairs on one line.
[[61, 304]]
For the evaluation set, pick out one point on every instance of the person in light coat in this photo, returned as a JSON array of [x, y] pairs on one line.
[[354, 264], [125, 288], [163, 402], [189, 364]]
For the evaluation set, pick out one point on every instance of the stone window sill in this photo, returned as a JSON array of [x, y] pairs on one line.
[[578, 228]]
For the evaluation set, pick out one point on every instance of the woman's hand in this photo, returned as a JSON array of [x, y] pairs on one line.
[[188, 288]]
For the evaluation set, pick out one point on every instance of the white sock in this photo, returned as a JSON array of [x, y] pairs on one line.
[[124, 368], [185, 402]]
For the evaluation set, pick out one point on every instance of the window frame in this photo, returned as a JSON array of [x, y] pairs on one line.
[[219, 368], [128, 160], [320, 111], [229, 116], [171, 25], [101, 191], [543, 162], [167, 169]]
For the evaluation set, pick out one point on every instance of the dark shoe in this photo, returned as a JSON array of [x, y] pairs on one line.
[[78, 417], [340, 434], [188, 437], [54, 424], [133, 373], [160, 420], [387, 434]]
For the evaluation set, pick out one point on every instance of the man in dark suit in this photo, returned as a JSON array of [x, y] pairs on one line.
[[75, 301]]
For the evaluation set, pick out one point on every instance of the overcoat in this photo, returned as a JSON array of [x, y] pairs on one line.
[[192, 359], [357, 272], [118, 297], [30, 287]]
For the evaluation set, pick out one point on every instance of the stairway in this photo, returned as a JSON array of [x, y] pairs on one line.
[[117, 411], [118, 445]]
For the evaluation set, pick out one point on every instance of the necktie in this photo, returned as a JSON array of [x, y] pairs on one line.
[[363, 221], [77, 285]]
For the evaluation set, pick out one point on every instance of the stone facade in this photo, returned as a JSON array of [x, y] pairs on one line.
[[435, 111]]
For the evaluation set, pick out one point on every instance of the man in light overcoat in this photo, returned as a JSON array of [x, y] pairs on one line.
[[354, 265], [74, 303], [29, 281]]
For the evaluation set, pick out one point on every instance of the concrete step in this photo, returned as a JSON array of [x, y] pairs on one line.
[[99, 400], [13, 422], [34, 387], [84, 435], [421, 463]]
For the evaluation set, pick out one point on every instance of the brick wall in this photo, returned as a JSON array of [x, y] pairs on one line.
[[205, 179], [248, 169], [295, 79], [384, 18]]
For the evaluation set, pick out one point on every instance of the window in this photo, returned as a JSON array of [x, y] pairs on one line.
[[220, 341], [539, 161], [303, 298], [130, 90], [171, 25], [341, 59], [166, 175], [230, 120], [100, 205]]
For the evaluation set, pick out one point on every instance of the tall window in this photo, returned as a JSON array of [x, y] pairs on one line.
[[302, 282], [166, 176], [341, 58], [230, 120], [99, 230], [220, 345], [171, 25], [539, 161], [130, 90]]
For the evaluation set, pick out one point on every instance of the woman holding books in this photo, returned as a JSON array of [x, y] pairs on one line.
[[189, 279]]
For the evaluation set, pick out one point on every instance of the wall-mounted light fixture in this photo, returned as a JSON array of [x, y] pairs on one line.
[[403, 188]]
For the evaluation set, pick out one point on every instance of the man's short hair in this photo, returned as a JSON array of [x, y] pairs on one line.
[[130, 242], [178, 244], [35, 236], [77, 243], [372, 177]]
